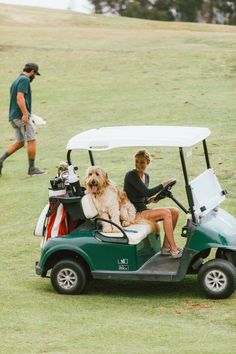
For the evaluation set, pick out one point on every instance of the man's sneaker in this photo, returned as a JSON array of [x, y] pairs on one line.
[[35, 171], [1, 166]]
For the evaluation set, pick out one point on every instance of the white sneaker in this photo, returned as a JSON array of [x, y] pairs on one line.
[[177, 254]]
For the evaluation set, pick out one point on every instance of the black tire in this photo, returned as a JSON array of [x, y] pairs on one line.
[[217, 279], [69, 277]]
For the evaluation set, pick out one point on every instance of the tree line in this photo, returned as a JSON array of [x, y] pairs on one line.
[[207, 11]]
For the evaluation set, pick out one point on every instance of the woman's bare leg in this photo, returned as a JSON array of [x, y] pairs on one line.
[[175, 216], [165, 215]]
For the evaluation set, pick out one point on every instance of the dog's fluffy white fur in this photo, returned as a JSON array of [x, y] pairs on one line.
[[127, 210], [111, 203]]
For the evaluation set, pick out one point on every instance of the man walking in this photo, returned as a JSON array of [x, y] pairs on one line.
[[19, 117]]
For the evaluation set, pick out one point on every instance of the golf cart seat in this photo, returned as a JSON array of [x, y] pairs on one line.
[[135, 233], [89, 209]]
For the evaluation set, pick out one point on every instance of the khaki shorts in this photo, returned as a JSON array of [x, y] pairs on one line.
[[23, 132]]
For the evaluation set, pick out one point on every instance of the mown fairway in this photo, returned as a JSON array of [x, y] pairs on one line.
[[100, 71]]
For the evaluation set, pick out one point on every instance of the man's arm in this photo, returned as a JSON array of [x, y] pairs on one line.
[[21, 103]]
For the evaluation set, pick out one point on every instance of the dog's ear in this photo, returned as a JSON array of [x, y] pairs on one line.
[[86, 176], [87, 172], [85, 182], [122, 196], [106, 180]]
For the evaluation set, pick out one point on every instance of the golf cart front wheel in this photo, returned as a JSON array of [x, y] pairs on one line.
[[69, 277], [217, 279]]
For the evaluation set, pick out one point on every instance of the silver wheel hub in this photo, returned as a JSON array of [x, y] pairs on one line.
[[216, 280], [67, 278]]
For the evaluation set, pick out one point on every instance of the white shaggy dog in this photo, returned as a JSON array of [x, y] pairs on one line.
[[111, 203], [127, 210]]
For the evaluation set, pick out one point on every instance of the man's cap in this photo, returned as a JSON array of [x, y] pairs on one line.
[[31, 66]]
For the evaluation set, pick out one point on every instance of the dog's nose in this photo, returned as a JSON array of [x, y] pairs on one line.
[[93, 182]]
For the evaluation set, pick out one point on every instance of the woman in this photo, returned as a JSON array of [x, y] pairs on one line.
[[136, 186]]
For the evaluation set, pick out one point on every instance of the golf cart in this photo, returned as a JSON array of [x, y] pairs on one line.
[[81, 251]]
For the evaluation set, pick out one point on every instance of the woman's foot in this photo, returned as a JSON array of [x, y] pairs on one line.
[[165, 251], [175, 254]]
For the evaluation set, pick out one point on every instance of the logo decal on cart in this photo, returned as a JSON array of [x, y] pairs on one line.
[[123, 264]]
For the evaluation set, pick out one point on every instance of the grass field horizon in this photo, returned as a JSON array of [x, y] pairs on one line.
[[100, 71]]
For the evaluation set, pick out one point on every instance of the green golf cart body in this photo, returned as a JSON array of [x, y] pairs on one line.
[[134, 253]]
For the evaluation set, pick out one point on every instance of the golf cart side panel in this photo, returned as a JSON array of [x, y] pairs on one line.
[[63, 244], [157, 268], [102, 255], [147, 248], [114, 256], [217, 229]]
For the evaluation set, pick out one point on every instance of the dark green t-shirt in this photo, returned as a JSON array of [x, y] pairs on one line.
[[21, 84]]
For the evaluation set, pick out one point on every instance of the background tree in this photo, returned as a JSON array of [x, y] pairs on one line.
[[188, 11], [153, 10], [210, 11], [218, 11], [110, 6]]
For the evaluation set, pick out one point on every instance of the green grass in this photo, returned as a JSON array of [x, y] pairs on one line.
[[100, 71]]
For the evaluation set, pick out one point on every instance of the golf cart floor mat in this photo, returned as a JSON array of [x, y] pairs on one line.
[[159, 264]]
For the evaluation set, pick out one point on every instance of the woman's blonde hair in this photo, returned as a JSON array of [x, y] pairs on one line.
[[143, 153]]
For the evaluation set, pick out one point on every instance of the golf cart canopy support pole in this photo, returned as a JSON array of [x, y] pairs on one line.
[[68, 157], [206, 154], [91, 158], [187, 187]]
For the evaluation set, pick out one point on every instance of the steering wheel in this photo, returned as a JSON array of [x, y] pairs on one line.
[[165, 190]]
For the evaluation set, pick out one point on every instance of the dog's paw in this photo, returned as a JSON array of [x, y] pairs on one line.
[[107, 228], [125, 223], [115, 229]]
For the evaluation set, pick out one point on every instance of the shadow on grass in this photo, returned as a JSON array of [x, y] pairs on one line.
[[138, 289], [135, 289]]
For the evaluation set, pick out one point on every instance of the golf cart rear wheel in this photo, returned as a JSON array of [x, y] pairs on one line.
[[69, 277], [217, 279]]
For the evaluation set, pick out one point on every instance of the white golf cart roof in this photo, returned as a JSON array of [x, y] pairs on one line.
[[131, 136]]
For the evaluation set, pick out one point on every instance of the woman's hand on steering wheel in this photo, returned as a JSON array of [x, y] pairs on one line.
[[167, 185]]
